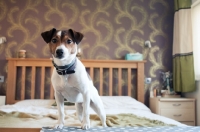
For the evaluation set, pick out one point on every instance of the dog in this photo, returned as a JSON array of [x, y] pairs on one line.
[[70, 79]]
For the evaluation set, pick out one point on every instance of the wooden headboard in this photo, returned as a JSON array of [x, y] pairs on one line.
[[110, 65]]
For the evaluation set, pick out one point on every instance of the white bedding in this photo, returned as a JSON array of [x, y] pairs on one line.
[[112, 104]]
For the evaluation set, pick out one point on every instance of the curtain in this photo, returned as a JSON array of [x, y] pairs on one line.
[[183, 62]]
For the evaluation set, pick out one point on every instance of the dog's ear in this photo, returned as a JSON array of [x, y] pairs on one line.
[[76, 36], [47, 36]]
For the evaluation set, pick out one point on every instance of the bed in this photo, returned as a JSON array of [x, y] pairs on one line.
[[29, 98]]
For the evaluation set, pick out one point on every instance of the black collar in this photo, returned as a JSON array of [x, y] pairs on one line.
[[67, 69]]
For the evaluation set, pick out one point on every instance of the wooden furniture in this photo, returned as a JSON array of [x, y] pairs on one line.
[[14, 63], [19, 70], [180, 109]]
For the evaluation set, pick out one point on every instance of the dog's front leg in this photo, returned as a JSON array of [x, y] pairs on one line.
[[86, 108], [60, 105]]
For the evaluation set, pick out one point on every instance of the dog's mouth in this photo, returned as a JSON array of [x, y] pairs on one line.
[[59, 57]]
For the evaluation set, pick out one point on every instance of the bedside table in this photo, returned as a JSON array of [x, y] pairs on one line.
[[2, 100], [179, 109]]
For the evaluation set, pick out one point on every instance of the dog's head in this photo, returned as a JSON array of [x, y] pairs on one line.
[[62, 43]]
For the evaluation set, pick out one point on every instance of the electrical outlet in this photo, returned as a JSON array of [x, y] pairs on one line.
[[147, 80], [1, 79], [147, 44]]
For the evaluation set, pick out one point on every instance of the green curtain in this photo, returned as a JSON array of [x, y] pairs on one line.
[[183, 65]]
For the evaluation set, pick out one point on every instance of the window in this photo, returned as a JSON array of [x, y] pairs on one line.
[[196, 36]]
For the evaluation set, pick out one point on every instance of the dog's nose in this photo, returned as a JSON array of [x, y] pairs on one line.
[[59, 52]]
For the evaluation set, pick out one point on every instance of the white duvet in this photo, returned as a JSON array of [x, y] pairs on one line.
[[112, 105]]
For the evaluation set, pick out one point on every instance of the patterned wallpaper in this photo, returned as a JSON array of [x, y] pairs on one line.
[[112, 28]]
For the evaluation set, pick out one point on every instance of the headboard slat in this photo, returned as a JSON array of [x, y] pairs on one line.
[[51, 87], [120, 81], [42, 82], [101, 81], [33, 82], [110, 82], [23, 83], [129, 81], [92, 73]]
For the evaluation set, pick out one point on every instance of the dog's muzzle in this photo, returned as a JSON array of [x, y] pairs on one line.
[[59, 53]]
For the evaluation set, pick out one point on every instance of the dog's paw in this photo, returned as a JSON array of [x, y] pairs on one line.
[[58, 126], [85, 124], [104, 125]]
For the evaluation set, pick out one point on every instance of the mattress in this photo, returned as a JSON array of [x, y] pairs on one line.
[[40, 113]]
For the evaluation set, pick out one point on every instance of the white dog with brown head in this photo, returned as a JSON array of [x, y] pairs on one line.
[[70, 79]]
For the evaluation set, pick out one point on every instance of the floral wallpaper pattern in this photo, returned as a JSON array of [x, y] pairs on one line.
[[111, 28]]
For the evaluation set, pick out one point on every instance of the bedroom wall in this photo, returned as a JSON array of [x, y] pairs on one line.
[[112, 28]]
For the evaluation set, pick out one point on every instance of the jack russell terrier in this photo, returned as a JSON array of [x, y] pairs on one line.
[[70, 79]]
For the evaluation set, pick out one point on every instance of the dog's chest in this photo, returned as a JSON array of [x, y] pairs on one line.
[[66, 86]]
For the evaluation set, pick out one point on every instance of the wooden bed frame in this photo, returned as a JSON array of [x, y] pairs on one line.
[[91, 65]]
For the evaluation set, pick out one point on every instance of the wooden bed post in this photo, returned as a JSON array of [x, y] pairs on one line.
[[140, 82], [11, 82]]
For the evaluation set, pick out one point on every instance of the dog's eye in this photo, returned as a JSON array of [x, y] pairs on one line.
[[69, 41], [54, 40]]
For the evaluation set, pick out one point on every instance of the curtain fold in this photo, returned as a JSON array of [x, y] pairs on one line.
[[183, 65]]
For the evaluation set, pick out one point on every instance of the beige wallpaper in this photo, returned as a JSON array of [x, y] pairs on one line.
[[112, 28]]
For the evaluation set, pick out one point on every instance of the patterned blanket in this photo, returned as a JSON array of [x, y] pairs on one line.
[[128, 129], [124, 120], [119, 120]]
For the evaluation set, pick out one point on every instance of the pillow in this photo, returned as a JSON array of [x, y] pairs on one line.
[[36, 102], [122, 102]]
